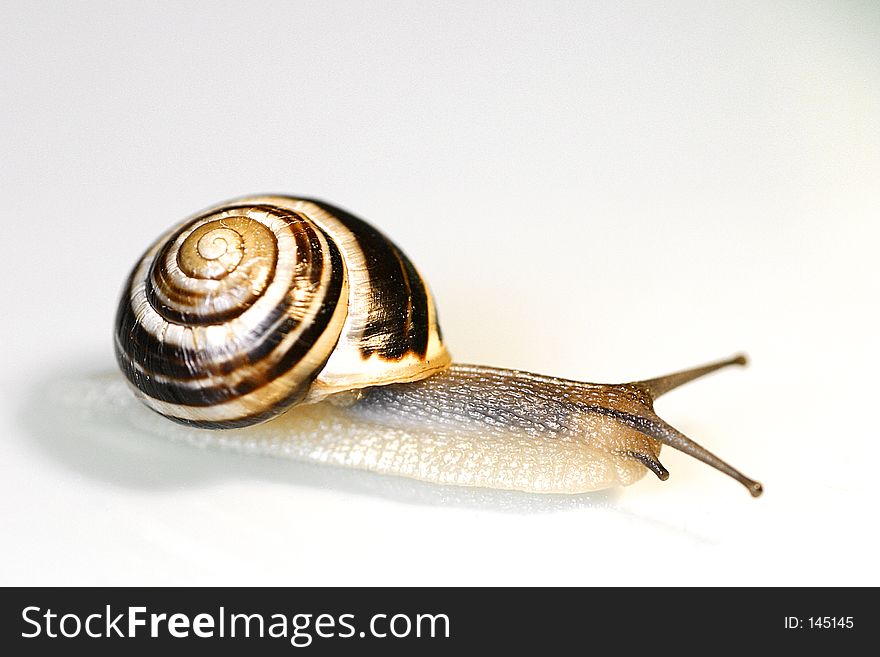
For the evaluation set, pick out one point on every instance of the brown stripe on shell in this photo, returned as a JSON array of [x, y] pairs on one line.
[[398, 322]]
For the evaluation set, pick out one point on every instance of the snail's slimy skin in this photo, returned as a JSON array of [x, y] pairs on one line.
[[465, 429], [477, 426]]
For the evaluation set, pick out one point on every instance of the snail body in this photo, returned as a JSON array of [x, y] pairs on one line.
[[269, 304]]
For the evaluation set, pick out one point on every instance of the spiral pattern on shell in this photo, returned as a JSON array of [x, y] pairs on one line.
[[253, 306]]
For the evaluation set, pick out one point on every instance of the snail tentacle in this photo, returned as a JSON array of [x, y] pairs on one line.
[[663, 384], [652, 463]]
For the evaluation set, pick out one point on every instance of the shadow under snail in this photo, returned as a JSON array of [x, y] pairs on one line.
[[264, 303]]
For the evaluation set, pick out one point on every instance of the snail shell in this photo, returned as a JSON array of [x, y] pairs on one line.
[[253, 306], [259, 304]]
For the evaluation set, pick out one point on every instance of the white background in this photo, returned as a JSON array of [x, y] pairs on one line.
[[602, 191]]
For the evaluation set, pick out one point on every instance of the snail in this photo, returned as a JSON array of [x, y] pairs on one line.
[[271, 305]]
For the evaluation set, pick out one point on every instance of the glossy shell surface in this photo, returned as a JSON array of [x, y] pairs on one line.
[[261, 303]]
